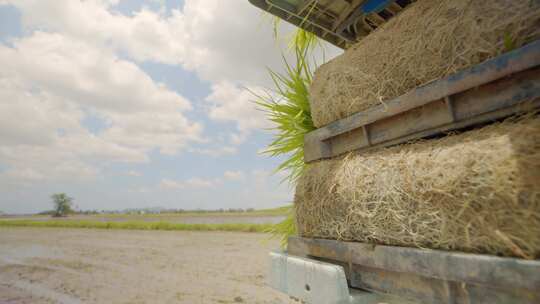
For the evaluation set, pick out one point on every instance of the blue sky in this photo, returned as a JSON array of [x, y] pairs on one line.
[[131, 103]]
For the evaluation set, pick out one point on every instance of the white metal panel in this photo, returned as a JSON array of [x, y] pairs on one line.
[[311, 281], [315, 282]]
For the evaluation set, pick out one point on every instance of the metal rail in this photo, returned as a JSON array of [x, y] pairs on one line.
[[489, 91], [427, 276]]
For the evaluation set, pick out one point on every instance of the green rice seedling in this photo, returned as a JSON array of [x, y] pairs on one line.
[[304, 40], [300, 38], [508, 42], [287, 106], [285, 228]]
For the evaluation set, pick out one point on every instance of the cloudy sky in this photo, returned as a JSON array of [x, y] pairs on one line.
[[131, 103]]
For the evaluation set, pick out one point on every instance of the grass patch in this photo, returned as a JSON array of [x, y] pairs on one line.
[[283, 210], [137, 225], [279, 211]]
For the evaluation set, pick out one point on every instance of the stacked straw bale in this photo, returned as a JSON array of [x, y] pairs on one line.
[[477, 191], [430, 39]]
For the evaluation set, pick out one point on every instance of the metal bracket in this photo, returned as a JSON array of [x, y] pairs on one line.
[[316, 282]]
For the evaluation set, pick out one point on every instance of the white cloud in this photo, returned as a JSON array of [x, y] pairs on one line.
[[28, 164], [231, 40], [145, 36], [195, 183], [230, 103], [170, 184], [224, 42], [79, 60], [221, 40], [265, 184], [134, 173], [140, 190], [49, 83], [215, 152], [202, 183], [234, 175]]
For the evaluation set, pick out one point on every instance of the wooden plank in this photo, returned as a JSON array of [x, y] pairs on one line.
[[450, 108], [366, 133], [438, 264], [316, 149], [504, 93], [415, 120], [501, 94], [518, 60], [479, 119], [353, 140], [475, 91], [434, 291], [506, 97]]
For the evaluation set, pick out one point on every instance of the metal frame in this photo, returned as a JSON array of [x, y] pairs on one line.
[[287, 12], [346, 21], [489, 91], [427, 276]]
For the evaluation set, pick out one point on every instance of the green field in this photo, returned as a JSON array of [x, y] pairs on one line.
[[217, 221], [137, 225], [262, 212]]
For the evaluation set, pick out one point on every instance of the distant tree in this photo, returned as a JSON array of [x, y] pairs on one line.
[[62, 204]]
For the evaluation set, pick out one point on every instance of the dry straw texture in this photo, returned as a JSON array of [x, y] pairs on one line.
[[428, 40], [478, 191]]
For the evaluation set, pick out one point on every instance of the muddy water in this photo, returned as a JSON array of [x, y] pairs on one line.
[[72, 266]]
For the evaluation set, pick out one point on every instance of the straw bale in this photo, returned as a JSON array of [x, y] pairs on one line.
[[477, 191], [430, 39]]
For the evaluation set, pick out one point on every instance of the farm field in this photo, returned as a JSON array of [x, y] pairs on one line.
[[271, 216], [57, 265], [256, 221]]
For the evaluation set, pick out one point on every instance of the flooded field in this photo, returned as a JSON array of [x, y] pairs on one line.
[[50, 265], [171, 218]]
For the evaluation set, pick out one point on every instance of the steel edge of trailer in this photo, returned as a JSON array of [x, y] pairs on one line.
[[319, 271]]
